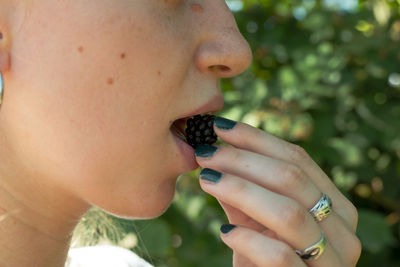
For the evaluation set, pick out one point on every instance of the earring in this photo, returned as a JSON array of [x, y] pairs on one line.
[[1, 88], [1, 78]]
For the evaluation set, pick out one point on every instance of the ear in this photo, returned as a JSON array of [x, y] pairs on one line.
[[6, 11], [4, 50], [4, 61]]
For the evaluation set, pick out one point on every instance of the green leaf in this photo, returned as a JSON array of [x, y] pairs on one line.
[[373, 231], [157, 238]]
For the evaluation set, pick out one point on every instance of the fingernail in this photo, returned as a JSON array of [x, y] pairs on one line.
[[226, 228], [224, 124], [210, 175], [205, 151]]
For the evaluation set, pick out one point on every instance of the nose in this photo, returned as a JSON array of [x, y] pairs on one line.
[[223, 51]]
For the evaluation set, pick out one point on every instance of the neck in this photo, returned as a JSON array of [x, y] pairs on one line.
[[36, 222], [24, 245]]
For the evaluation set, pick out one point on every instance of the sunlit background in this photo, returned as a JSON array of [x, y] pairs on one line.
[[326, 76]]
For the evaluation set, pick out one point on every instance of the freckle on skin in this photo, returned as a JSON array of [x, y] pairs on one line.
[[159, 73], [197, 8], [80, 49], [123, 55], [110, 81]]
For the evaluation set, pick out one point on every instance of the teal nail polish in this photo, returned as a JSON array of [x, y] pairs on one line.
[[205, 151], [224, 124], [210, 175], [226, 228]]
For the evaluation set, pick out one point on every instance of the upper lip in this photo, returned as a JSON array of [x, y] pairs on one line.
[[213, 105]]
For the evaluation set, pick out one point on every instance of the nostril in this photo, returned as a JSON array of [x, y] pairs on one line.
[[220, 68]]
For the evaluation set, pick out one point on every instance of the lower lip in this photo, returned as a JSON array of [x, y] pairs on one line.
[[187, 152]]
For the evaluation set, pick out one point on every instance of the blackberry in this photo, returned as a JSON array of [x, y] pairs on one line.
[[199, 130]]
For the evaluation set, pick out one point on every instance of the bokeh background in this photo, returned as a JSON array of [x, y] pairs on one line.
[[326, 76]]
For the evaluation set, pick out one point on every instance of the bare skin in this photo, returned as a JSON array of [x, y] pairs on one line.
[[267, 187], [91, 90]]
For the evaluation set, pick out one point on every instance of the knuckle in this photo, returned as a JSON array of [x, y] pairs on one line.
[[350, 214], [293, 215], [233, 155], [239, 188], [356, 248], [353, 214], [251, 136], [297, 154], [293, 177]]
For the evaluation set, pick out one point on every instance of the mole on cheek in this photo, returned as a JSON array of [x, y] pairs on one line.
[[123, 55], [110, 81], [197, 8], [80, 49]]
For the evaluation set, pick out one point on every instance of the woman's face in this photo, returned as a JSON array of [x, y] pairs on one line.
[[95, 85]]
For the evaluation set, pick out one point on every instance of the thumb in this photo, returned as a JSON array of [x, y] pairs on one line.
[[236, 216]]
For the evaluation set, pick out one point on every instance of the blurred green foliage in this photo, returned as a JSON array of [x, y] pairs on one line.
[[326, 76]]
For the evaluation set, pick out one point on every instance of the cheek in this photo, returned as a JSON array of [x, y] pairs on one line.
[[90, 118], [106, 162], [75, 78]]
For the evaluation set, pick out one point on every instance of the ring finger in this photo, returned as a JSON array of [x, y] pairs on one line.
[[276, 175]]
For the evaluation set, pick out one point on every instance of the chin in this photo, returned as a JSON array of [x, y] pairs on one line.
[[135, 215], [150, 207]]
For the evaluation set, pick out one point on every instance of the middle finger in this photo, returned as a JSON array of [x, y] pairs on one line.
[[276, 175]]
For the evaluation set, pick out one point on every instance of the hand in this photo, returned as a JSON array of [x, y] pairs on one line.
[[267, 188]]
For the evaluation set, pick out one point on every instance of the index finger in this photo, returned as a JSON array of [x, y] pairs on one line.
[[244, 136]]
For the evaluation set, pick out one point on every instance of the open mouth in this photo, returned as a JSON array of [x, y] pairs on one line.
[[178, 128], [195, 130]]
